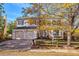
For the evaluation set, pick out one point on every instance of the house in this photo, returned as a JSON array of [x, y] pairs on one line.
[[25, 30]]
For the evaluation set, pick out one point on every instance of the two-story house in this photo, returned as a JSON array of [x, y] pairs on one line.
[[25, 30]]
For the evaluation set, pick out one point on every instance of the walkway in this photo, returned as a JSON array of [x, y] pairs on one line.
[[55, 50]]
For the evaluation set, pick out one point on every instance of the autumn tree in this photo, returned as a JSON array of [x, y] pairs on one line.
[[67, 12], [3, 22], [72, 18]]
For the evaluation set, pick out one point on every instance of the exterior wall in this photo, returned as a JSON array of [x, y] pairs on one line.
[[21, 23], [24, 22], [53, 36], [24, 34]]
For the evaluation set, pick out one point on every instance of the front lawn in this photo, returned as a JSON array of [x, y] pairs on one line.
[[57, 43]]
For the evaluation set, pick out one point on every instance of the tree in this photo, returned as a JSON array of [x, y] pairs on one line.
[[11, 26], [5, 28], [74, 12], [66, 11], [3, 23], [1, 15], [31, 21]]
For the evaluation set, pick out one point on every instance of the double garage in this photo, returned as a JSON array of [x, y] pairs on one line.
[[24, 34]]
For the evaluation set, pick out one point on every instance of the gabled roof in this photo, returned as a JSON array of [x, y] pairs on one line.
[[25, 18], [39, 17]]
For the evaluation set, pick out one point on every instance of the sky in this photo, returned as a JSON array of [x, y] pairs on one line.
[[13, 10]]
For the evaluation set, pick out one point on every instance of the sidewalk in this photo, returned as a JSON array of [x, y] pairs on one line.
[[55, 50]]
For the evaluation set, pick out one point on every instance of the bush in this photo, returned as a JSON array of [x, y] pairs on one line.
[[40, 42], [5, 38]]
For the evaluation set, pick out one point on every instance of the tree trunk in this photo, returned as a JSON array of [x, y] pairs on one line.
[[68, 38], [5, 28]]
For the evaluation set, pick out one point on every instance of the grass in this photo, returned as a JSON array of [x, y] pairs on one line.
[[57, 43]]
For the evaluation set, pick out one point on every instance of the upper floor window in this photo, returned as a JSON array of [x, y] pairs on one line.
[[20, 22]]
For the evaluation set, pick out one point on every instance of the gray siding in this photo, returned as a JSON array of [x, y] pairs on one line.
[[24, 34]]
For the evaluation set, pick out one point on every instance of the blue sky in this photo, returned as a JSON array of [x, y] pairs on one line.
[[13, 10]]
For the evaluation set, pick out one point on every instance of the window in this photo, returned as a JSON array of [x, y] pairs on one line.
[[56, 32], [20, 22]]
